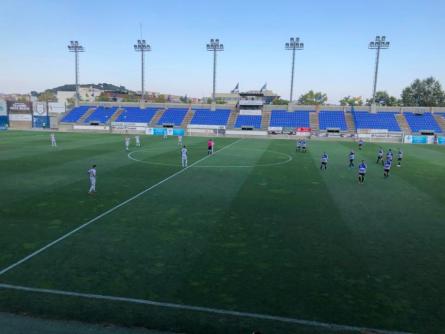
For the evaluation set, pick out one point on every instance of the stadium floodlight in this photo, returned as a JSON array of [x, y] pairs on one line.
[[142, 47], [215, 47], [378, 44], [75, 47], [293, 45]]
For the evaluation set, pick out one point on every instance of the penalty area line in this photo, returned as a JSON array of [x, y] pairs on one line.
[[258, 316], [30, 256]]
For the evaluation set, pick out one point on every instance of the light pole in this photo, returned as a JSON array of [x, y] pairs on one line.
[[379, 43], [142, 47], [214, 46], [75, 47], [293, 45]]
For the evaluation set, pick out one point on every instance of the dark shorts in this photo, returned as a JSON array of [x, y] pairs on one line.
[[362, 174], [386, 170], [324, 163], [399, 159]]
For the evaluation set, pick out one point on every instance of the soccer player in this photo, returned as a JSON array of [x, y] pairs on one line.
[[389, 155], [213, 145], [386, 168], [53, 140], [324, 161], [184, 156], [351, 158], [298, 145], [362, 172], [209, 147], [138, 141], [360, 144], [399, 158], [92, 174], [380, 155], [303, 146], [165, 133], [127, 143], [179, 140]]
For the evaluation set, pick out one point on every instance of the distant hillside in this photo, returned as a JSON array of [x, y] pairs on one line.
[[102, 86]]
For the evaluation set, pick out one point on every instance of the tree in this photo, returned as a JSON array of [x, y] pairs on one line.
[[277, 101], [313, 98], [70, 101], [184, 99], [47, 95], [426, 93], [384, 99], [160, 99], [103, 98], [220, 101], [351, 101]]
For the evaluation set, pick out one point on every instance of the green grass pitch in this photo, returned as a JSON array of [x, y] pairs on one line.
[[255, 228]]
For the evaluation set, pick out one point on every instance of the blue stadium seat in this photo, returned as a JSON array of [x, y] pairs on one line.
[[421, 122], [75, 114], [101, 115], [332, 119], [207, 117], [173, 116], [137, 115], [286, 119], [248, 120], [379, 120]]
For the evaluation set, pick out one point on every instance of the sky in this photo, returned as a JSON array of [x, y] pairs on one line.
[[336, 60]]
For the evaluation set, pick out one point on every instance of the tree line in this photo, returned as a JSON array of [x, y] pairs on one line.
[[422, 93]]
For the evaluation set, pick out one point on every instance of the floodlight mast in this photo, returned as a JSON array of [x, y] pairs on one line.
[[214, 46], [293, 45], [75, 47], [378, 44], [142, 47]]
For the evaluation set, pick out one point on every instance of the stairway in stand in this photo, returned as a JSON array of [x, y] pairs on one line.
[[350, 122], [86, 115], [265, 120], [115, 115], [440, 120], [232, 119], [187, 118], [157, 117], [313, 121], [403, 124]]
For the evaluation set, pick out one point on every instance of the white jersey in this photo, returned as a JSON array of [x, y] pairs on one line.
[[127, 141], [184, 153], [92, 173], [138, 141]]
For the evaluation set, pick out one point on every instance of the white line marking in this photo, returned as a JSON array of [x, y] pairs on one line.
[[311, 323], [30, 256]]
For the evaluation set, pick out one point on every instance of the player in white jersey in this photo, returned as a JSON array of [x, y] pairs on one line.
[[138, 141], [165, 133], [184, 156], [53, 140], [127, 143], [92, 175], [179, 140]]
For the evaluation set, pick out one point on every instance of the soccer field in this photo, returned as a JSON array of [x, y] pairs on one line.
[[253, 237]]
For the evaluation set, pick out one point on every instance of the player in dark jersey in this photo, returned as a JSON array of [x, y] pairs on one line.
[[351, 158], [298, 147], [362, 172], [303, 146], [387, 168], [324, 161], [380, 155]]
